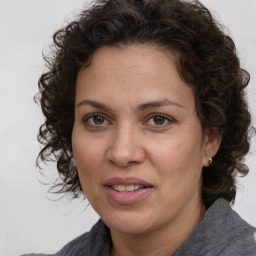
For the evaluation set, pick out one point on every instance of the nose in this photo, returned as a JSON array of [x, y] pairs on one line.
[[126, 147]]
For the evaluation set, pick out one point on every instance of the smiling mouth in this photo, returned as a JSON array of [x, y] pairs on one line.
[[127, 188], [127, 191]]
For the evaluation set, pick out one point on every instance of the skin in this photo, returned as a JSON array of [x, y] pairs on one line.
[[126, 140]]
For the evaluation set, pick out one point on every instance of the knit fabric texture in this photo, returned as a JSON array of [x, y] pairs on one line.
[[222, 232]]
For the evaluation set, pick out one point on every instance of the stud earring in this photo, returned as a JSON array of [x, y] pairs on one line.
[[210, 160]]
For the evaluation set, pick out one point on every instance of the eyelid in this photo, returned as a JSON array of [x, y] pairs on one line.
[[168, 118], [88, 116]]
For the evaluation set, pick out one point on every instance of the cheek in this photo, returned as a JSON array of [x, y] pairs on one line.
[[178, 160], [179, 170], [85, 148], [88, 156], [87, 161]]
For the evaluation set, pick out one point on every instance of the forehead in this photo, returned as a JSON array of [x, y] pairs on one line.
[[124, 61], [131, 57], [135, 71]]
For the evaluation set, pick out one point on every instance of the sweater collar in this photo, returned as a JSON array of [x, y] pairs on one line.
[[218, 228], [214, 232]]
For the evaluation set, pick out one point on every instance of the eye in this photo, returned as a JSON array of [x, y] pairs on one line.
[[95, 120], [159, 120]]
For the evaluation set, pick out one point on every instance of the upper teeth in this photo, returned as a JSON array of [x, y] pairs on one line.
[[128, 188]]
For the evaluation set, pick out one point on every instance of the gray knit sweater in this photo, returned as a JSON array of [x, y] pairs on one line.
[[222, 232]]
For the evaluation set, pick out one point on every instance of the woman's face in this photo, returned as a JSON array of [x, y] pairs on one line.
[[137, 140]]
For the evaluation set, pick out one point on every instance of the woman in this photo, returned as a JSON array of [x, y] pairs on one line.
[[146, 115]]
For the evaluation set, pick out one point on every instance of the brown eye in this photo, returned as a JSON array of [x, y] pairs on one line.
[[159, 120], [95, 120], [98, 120]]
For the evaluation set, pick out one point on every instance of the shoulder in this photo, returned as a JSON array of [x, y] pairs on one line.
[[231, 234], [222, 232], [240, 237], [96, 242], [242, 245], [72, 248]]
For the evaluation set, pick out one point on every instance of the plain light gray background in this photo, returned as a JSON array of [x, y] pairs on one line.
[[29, 221]]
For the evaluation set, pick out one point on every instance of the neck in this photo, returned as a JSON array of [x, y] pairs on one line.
[[162, 242]]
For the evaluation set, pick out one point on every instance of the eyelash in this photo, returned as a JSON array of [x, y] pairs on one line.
[[167, 118], [88, 117], [151, 116]]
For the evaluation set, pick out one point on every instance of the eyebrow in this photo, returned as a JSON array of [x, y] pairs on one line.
[[142, 107], [158, 103], [93, 103]]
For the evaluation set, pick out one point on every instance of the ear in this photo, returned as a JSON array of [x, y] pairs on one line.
[[211, 144]]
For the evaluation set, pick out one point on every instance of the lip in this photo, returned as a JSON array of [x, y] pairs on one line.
[[126, 181], [127, 198]]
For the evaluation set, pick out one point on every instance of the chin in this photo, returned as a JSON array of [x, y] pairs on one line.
[[129, 223], [129, 228]]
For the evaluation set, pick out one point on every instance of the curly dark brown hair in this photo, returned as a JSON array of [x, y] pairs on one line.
[[206, 59]]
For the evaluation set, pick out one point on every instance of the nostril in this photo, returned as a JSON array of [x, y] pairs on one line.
[[124, 153]]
